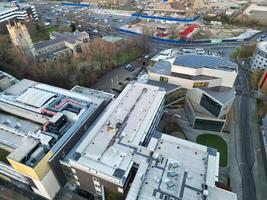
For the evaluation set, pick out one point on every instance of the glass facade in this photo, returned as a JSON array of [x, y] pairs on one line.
[[212, 106], [208, 125]]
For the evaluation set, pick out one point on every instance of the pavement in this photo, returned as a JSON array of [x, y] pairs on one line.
[[246, 144], [117, 75]]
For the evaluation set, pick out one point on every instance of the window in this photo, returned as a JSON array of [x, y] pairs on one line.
[[208, 125], [73, 170], [163, 79], [212, 106], [200, 84], [95, 179], [98, 191]]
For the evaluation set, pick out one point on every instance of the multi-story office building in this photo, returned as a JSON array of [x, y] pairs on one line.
[[206, 108], [107, 155], [10, 11], [259, 60], [122, 154], [210, 83], [192, 71], [178, 170], [39, 125]]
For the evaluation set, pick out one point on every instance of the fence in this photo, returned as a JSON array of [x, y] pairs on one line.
[[75, 4], [190, 19], [207, 41]]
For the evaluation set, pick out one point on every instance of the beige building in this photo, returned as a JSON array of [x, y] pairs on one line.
[[20, 38], [60, 44]]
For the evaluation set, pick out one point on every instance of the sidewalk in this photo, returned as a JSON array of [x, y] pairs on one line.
[[258, 170]]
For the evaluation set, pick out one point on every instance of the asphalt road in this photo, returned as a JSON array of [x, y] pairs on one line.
[[246, 156]]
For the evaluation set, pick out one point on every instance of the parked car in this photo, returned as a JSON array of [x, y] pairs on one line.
[[146, 56], [129, 67]]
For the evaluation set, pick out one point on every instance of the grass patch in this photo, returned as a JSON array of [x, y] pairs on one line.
[[262, 108], [43, 33], [244, 51], [255, 78], [124, 57], [216, 142]]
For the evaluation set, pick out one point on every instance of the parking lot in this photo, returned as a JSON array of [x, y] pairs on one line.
[[118, 76], [97, 22]]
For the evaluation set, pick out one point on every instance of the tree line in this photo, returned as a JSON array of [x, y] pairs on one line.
[[98, 58]]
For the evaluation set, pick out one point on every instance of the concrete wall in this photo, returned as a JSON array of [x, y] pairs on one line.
[[64, 150], [85, 181], [195, 95], [47, 187], [227, 77], [223, 78], [184, 83]]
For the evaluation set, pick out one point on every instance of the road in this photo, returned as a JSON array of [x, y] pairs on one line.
[[243, 140]]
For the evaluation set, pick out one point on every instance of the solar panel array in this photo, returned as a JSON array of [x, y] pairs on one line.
[[200, 61]]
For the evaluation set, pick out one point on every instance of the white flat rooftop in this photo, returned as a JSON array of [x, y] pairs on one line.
[[179, 170], [31, 110], [167, 167], [112, 144]]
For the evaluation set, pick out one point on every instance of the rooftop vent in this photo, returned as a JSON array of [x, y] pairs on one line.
[[205, 193], [172, 174], [173, 165], [189, 176], [18, 125], [7, 122], [156, 178], [170, 185]]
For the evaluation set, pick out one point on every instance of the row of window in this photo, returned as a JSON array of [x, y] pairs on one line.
[[261, 53], [212, 106], [200, 84]]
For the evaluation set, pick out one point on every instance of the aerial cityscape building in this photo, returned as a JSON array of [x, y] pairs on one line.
[[124, 154], [10, 11], [59, 45], [259, 60], [133, 100], [191, 71], [206, 108], [39, 125]]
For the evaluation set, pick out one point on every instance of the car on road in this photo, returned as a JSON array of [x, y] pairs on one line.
[[129, 67], [146, 56], [200, 51]]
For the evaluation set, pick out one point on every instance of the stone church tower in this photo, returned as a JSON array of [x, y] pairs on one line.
[[21, 39]]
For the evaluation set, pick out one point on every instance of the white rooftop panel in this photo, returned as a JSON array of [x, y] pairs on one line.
[[114, 141], [34, 97]]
